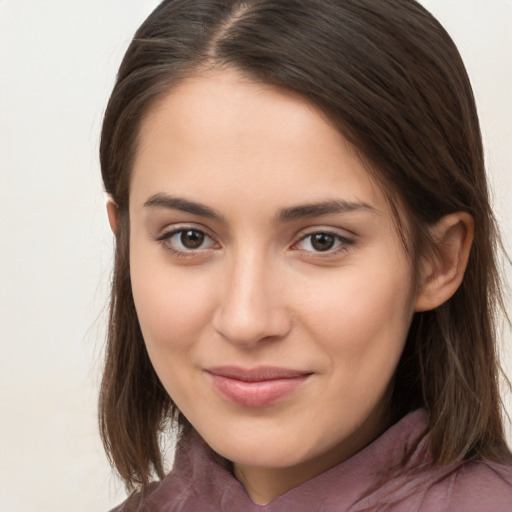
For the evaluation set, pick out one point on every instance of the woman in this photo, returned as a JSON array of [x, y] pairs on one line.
[[305, 277]]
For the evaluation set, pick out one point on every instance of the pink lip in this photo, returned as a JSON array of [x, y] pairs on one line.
[[257, 387]]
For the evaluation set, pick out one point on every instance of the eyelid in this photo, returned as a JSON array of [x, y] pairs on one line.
[[182, 226]]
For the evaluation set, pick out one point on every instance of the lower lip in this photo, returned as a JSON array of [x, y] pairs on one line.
[[255, 394]]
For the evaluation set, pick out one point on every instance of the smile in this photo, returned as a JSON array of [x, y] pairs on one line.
[[257, 387]]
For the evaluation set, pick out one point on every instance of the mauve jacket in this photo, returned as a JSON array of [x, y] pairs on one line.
[[201, 481]]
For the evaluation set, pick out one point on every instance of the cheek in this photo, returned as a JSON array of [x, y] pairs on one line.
[[363, 317], [172, 306], [174, 310]]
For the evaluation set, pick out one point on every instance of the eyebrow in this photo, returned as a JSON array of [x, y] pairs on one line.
[[164, 201], [322, 208]]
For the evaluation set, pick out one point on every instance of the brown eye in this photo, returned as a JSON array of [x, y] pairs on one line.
[[322, 241], [192, 239], [187, 241]]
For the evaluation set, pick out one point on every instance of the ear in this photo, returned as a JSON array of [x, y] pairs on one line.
[[442, 272], [113, 215]]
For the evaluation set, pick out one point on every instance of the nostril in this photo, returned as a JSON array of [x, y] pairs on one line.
[[251, 307], [251, 323]]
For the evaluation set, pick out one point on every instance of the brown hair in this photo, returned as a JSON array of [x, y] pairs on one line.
[[389, 77]]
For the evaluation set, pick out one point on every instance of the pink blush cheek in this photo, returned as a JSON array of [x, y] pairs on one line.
[[172, 313], [364, 316], [173, 317]]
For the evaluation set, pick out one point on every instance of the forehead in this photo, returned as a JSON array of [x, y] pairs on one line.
[[220, 135]]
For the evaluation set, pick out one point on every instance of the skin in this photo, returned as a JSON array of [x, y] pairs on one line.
[[256, 290]]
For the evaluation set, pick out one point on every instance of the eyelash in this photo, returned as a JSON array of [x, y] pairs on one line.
[[343, 243], [166, 241]]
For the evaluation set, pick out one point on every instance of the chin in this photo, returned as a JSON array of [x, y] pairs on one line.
[[263, 443], [269, 455]]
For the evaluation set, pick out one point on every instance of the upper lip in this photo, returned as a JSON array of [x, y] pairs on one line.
[[261, 373]]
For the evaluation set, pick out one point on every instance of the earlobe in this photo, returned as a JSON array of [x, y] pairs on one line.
[[113, 215], [442, 272]]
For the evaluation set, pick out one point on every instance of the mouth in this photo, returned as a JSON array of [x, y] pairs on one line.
[[255, 387]]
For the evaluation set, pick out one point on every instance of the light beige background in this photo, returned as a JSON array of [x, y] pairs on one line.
[[58, 60]]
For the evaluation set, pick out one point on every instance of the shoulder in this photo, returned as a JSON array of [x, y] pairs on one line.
[[135, 502], [481, 486], [471, 486]]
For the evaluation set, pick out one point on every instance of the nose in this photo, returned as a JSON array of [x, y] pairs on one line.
[[252, 307]]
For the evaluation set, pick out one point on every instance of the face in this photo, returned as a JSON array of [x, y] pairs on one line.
[[270, 283]]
